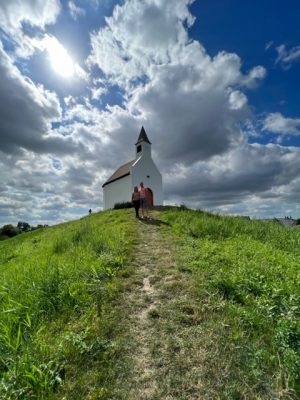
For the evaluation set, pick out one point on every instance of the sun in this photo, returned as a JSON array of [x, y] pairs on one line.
[[60, 60]]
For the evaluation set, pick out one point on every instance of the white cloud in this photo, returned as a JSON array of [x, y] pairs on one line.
[[98, 92], [193, 107], [26, 114], [277, 123], [287, 57], [194, 104], [27, 109], [190, 97], [59, 58], [75, 11], [138, 35], [35, 12], [237, 100], [251, 179], [255, 75]]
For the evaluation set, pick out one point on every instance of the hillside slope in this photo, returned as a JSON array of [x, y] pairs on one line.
[[184, 306]]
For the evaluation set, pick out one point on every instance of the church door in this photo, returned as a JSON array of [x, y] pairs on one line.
[[149, 196]]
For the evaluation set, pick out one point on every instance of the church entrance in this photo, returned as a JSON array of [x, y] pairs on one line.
[[149, 197]]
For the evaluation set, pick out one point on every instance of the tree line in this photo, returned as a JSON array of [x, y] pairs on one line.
[[9, 230]]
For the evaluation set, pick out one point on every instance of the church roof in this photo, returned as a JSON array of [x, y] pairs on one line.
[[143, 137], [124, 170]]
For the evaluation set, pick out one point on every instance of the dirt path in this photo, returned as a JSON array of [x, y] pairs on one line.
[[153, 268], [162, 353]]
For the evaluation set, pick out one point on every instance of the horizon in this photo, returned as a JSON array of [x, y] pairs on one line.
[[215, 85], [87, 214]]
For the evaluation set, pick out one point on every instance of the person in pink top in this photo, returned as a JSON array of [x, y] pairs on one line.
[[143, 201]]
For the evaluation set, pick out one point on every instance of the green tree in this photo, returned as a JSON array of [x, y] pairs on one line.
[[23, 226], [9, 230]]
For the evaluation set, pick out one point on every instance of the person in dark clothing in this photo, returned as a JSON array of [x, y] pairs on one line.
[[135, 198]]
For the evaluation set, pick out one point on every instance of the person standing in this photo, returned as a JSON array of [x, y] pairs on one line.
[[143, 200], [135, 199]]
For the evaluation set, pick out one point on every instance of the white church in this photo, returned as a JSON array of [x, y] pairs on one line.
[[119, 187]]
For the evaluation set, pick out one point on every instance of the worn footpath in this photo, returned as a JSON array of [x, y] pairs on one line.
[[158, 356]]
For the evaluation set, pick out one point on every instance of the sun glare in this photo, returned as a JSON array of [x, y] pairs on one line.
[[60, 60]]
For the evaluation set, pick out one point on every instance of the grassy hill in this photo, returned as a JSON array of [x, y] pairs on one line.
[[186, 306]]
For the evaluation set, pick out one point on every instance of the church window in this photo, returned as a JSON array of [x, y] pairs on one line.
[[139, 148]]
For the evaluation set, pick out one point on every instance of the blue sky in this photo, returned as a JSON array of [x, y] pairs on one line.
[[253, 30], [215, 84]]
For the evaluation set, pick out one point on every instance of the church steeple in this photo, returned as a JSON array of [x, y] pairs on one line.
[[143, 137], [143, 144]]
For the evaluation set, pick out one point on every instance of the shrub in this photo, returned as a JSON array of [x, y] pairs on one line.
[[9, 230], [23, 226], [124, 204]]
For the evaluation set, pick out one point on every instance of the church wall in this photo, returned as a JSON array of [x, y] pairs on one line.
[[143, 168], [117, 192]]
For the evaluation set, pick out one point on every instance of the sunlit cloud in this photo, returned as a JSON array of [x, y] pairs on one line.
[[60, 60]]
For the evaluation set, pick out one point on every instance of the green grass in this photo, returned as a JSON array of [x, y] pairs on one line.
[[57, 293], [244, 286], [225, 323]]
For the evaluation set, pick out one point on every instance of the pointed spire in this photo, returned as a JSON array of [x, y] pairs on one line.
[[143, 137]]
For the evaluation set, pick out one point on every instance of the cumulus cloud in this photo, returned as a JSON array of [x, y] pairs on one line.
[[26, 114], [39, 192], [15, 14], [194, 108], [137, 35], [191, 107], [195, 100], [252, 179], [237, 100], [35, 12], [27, 109], [277, 123]]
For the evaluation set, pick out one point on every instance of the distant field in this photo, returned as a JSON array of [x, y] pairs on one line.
[[226, 317]]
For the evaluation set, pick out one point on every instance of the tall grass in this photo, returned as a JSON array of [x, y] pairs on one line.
[[246, 281], [56, 288], [198, 224]]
